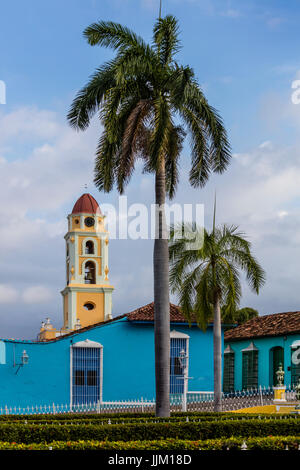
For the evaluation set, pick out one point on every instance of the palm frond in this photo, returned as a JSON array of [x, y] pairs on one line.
[[105, 164], [166, 38], [113, 35], [162, 127], [176, 138], [131, 141], [89, 99]]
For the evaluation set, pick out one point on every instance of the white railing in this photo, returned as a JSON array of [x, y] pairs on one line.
[[130, 406], [194, 401]]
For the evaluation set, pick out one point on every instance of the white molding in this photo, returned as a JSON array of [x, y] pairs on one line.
[[250, 348], [87, 344], [228, 350], [178, 334]]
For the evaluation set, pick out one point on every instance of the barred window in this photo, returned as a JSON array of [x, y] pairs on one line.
[[295, 365], [79, 377], [92, 377], [250, 369], [86, 372], [228, 373]]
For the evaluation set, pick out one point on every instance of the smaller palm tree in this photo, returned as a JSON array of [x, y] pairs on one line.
[[208, 277]]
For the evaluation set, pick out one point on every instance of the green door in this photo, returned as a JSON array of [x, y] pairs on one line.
[[278, 358]]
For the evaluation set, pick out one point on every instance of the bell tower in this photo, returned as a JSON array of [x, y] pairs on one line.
[[87, 295]]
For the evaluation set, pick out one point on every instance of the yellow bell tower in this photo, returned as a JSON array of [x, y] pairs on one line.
[[87, 295]]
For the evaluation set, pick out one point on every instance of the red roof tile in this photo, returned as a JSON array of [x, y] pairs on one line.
[[276, 324], [86, 204], [146, 313]]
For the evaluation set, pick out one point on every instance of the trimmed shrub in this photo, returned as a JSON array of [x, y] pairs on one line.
[[234, 443], [28, 433]]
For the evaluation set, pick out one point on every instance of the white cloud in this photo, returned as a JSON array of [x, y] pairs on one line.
[[36, 295], [8, 294], [27, 123], [231, 13]]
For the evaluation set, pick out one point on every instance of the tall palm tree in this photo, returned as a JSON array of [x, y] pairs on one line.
[[208, 278], [141, 95]]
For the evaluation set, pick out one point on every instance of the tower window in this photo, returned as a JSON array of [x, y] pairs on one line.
[[90, 273], [89, 306], [89, 248], [89, 221]]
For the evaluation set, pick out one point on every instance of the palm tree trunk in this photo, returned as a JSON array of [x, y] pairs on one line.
[[217, 356], [161, 299]]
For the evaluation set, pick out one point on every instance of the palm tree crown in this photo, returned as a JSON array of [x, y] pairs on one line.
[[198, 276], [140, 93]]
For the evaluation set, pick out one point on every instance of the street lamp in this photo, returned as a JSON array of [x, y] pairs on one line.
[[183, 360], [24, 358], [24, 361]]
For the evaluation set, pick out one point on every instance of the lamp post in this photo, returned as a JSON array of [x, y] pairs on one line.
[[183, 359]]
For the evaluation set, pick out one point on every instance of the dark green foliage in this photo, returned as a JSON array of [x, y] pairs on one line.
[[239, 316], [197, 275], [27, 433], [139, 95]]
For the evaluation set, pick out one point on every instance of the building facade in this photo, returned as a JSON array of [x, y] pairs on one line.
[[95, 357], [112, 360], [254, 350]]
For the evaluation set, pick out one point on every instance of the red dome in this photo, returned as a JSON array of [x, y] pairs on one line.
[[86, 204]]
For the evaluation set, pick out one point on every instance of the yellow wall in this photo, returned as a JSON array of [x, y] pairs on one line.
[[89, 317], [75, 226], [66, 305], [47, 334]]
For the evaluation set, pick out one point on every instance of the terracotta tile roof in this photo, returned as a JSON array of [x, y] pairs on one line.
[[146, 313], [276, 324]]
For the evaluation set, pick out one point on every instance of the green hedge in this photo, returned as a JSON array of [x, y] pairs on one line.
[[101, 416], [136, 420], [253, 443], [27, 433], [142, 418]]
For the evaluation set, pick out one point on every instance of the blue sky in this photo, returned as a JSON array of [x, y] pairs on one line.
[[245, 55]]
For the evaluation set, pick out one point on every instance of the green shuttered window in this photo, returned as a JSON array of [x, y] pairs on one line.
[[228, 373], [250, 369]]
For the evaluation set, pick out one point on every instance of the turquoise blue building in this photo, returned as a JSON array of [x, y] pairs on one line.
[[254, 350], [109, 361], [95, 357]]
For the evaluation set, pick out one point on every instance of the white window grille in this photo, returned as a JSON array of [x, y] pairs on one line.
[[86, 372]]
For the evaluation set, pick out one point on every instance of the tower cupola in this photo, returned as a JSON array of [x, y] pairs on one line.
[[87, 295]]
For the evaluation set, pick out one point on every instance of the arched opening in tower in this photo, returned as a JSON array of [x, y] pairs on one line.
[[90, 273], [89, 248]]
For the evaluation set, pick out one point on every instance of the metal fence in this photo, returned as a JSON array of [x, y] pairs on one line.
[[195, 401], [132, 406]]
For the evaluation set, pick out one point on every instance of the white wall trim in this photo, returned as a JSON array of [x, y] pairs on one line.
[[178, 334], [87, 344]]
